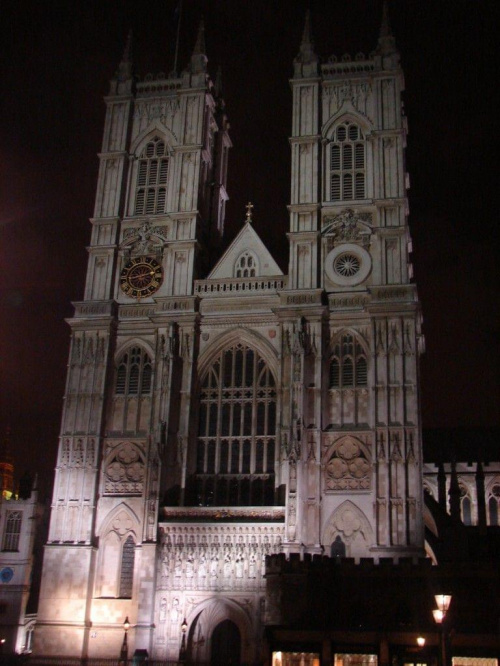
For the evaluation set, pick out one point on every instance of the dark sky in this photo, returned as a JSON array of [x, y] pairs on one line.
[[58, 59]]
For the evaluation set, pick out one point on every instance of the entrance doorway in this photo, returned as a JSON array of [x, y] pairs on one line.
[[226, 645]]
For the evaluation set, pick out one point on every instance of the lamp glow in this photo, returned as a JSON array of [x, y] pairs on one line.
[[438, 615], [443, 602]]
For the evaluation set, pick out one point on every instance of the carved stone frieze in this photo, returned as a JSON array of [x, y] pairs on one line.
[[214, 557], [348, 226], [146, 239]]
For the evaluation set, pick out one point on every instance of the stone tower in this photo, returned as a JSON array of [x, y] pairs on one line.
[[219, 412], [352, 329]]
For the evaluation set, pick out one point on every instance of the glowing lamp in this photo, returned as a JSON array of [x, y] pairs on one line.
[[443, 602]]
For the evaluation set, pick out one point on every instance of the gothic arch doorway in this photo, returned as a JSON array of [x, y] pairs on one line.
[[226, 645]]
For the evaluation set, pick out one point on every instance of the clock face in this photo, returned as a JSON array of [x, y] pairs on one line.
[[141, 277], [6, 574]]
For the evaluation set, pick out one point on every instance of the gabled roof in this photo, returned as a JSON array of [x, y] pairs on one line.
[[246, 241]]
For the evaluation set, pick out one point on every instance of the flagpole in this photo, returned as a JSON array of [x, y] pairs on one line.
[[177, 38]]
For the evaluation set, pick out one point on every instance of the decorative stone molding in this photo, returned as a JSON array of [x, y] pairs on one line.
[[348, 467], [124, 472]]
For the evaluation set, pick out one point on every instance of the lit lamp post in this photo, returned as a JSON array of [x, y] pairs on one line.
[[124, 649], [443, 603], [182, 653]]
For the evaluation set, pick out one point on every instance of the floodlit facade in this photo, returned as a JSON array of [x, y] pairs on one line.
[[218, 411]]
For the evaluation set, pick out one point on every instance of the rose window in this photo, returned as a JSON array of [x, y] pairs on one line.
[[346, 265]]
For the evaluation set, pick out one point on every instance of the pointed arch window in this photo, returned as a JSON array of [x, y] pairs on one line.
[[152, 176], [348, 365], [493, 504], [246, 266], [347, 163], [127, 568], [237, 431], [134, 373]]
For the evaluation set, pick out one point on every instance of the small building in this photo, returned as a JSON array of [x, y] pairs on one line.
[[19, 514]]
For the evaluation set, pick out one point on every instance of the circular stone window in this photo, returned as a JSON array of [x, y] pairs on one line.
[[348, 265]]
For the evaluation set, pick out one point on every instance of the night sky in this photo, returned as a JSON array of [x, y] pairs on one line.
[[58, 59]]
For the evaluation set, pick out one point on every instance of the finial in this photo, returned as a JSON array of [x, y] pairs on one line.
[[386, 41], [127, 53], [249, 208], [199, 47]]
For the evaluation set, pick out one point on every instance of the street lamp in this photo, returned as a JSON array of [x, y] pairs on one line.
[[124, 649], [182, 653], [443, 603]]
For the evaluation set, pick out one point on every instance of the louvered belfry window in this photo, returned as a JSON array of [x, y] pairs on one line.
[[152, 176], [134, 373], [347, 163], [237, 431], [348, 366]]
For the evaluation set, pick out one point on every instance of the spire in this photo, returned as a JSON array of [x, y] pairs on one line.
[[199, 59], [125, 66], [122, 82], [386, 41], [306, 62], [306, 35], [199, 47]]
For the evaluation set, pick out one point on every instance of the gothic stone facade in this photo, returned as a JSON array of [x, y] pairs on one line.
[[211, 422]]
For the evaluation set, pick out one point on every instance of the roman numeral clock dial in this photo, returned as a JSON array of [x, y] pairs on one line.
[[141, 277]]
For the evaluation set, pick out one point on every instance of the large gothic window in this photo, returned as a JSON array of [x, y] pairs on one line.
[[348, 366], [152, 175], [133, 376], [347, 155], [237, 431]]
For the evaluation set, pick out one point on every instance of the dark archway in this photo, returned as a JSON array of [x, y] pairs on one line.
[[226, 645]]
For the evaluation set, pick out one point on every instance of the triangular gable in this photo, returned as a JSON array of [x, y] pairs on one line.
[[247, 241]]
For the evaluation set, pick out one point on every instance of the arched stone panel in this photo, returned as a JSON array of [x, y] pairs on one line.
[[353, 527]]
